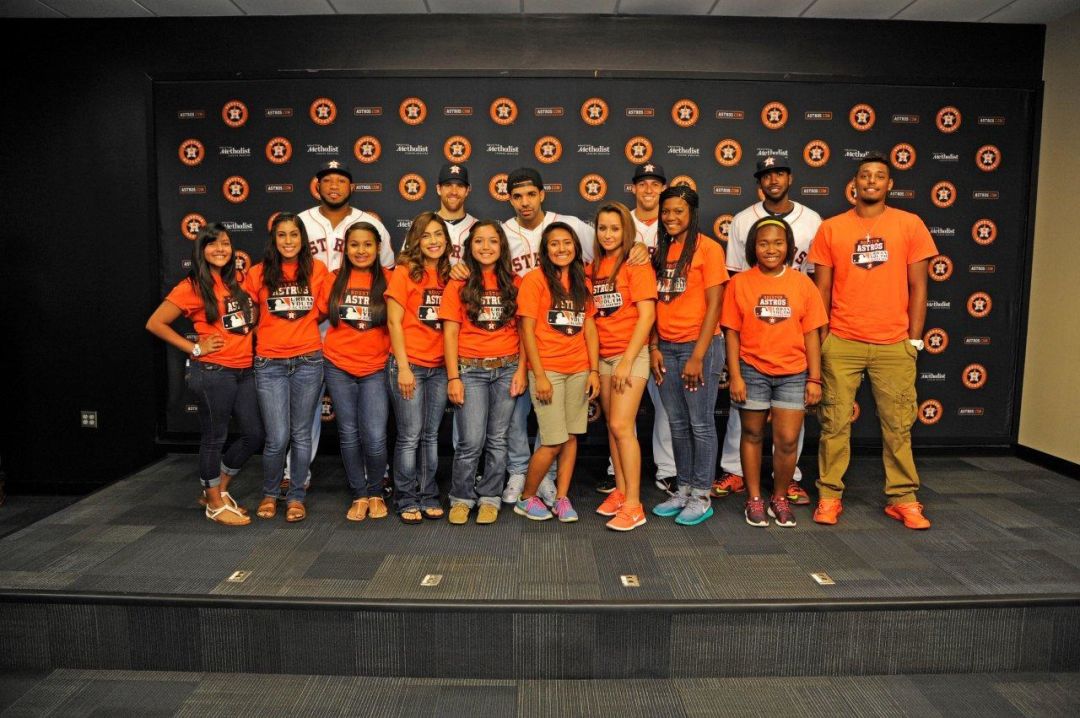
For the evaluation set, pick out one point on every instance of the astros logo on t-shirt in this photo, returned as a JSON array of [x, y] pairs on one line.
[[490, 316], [562, 318], [355, 309], [235, 319], [290, 301], [428, 311], [668, 286], [607, 299], [869, 253], [772, 308]]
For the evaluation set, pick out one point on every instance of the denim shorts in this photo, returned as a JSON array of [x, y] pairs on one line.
[[764, 391]]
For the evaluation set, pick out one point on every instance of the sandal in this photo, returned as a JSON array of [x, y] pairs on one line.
[[358, 511], [227, 515], [227, 498], [412, 516], [434, 513], [377, 508], [267, 508], [295, 512], [202, 499]]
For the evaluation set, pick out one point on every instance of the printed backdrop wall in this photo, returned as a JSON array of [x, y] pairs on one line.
[[237, 152]]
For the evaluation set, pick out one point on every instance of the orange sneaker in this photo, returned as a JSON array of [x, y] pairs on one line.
[[827, 511], [612, 503], [728, 484], [628, 518], [797, 494], [909, 513]]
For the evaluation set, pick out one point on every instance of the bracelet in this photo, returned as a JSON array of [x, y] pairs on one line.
[[453, 378], [594, 370], [654, 347], [814, 381]]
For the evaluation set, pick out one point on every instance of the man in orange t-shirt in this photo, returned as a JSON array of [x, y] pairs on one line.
[[870, 267]]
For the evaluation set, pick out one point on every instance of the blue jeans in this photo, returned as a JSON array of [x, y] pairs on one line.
[[482, 424], [690, 413], [519, 452], [225, 392], [418, 422], [362, 407], [288, 391]]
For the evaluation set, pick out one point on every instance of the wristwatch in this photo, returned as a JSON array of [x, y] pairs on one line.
[[918, 344]]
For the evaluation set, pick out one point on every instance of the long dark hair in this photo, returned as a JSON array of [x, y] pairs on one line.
[[473, 289], [273, 277], [664, 240], [376, 300], [579, 292], [412, 257], [202, 276], [751, 240], [628, 231]]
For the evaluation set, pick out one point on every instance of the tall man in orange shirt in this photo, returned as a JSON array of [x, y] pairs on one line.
[[870, 267]]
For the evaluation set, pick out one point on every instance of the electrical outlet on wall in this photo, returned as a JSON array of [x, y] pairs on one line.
[[88, 419]]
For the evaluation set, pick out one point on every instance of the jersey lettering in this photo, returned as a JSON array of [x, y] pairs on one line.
[[428, 311]]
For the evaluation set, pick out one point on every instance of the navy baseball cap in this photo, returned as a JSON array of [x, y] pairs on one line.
[[333, 166], [649, 170], [771, 163], [454, 173], [522, 177]]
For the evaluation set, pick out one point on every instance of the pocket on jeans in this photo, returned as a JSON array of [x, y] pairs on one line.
[[260, 362], [314, 358]]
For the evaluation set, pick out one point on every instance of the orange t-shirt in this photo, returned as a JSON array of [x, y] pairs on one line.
[[354, 345], [234, 325], [490, 337], [423, 330], [771, 315], [616, 302], [560, 336], [681, 305], [870, 260], [288, 318]]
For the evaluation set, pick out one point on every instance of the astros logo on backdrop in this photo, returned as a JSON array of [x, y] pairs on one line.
[[728, 152], [548, 149], [943, 194], [593, 187], [974, 376], [497, 188], [856, 411], [327, 409], [850, 192], [323, 111], [722, 226], [940, 268], [412, 111], [862, 117], [270, 220], [902, 156], [685, 113], [412, 187], [242, 260], [948, 119], [279, 150], [191, 225], [313, 187], [234, 113], [988, 158], [594, 111], [192, 152], [936, 340], [816, 153], [639, 149], [367, 149], [930, 412], [774, 115], [979, 305], [457, 148], [984, 232], [683, 180], [503, 111], [236, 189]]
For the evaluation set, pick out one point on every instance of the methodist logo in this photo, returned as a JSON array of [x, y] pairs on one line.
[[816, 153], [728, 152], [412, 111], [234, 113], [192, 152], [774, 115], [948, 119], [279, 150], [503, 111], [685, 113], [323, 111], [862, 117], [367, 149], [191, 225], [594, 111]]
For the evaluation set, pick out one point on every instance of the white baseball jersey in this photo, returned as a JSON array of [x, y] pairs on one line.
[[646, 232], [525, 243], [459, 230], [328, 242], [804, 225]]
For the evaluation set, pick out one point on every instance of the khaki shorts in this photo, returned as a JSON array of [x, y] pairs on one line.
[[568, 412], [640, 367]]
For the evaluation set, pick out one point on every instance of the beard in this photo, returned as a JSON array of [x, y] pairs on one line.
[[335, 205]]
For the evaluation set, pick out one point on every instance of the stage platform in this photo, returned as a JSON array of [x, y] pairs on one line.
[[134, 578]]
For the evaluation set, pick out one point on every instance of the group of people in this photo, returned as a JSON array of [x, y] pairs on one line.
[[543, 313]]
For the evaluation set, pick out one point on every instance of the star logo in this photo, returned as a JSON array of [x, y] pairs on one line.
[[722, 227], [412, 187], [943, 194], [774, 115], [593, 187], [728, 152], [685, 113], [457, 148], [984, 232], [323, 111], [503, 111], [497, 188], [279, 150], [594, 111], [988, 158], [940, 268], [936, 341], [948, 120], [638, 149], [862, 117], [930, 412], [548, 149], [192, 152], [455, 170], [191, 225], [234, 113], [816, 153], [367, 149], [902, 156], [974, 376], [235, 189], [649, 168], [412, 111], [979, 305]]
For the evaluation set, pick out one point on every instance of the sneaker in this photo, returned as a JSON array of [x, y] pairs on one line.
[[674, 505], [755, 512], [909, 513], [612, 504], [628, 518], [487, 514], [459, 514], [514, 485], [546, 491], [698, 508], [564, 510], [827, 511], [728, 484], [605, 484], [780, 509], [532, 508], [667, 484], [797, 495]]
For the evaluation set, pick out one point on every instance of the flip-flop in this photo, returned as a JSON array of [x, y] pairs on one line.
[[295, 512], [358, 511], [413, 516], [434, 513]]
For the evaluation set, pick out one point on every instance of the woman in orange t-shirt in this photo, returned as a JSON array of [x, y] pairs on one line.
[[690, 269], [288, 358], [356, 347], [555, 312], [625, 301], [484, 368], [415, 370], [771, 316], [220, 370]]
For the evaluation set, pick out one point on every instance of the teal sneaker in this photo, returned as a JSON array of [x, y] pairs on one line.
[[698, 508], [675, 503]]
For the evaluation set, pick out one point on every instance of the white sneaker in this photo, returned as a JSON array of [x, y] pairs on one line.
[[546, 491], [514, 485]]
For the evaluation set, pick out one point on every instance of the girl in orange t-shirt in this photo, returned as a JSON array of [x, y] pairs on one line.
[[288, 358], [772, 314], [484, 367], [555, 311], [356, 348], [415, 370], [690, 270], [625, 301], [220, 373]]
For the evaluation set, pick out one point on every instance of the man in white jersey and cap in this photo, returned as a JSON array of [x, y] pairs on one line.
[[453, 189], [773, 176]]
